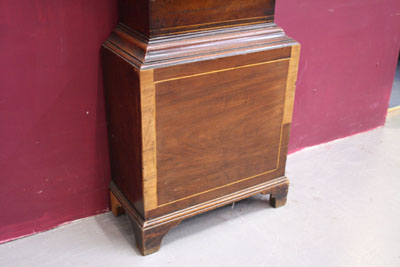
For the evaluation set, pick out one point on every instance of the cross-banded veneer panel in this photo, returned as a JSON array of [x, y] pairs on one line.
[[218, 128]]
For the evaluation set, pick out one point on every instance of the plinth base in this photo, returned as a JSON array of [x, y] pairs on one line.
[[149, 233]]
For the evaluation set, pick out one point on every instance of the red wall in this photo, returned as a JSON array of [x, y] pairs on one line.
[[347, 65], [53, 148]]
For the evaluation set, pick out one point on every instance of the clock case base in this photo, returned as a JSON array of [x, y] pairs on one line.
[[145, 54]]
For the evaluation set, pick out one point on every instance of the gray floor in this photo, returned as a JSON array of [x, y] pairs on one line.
[[395, 96], [343, 210]]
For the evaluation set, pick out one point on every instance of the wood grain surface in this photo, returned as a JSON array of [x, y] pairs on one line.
[[121, 84], [217, 128], [165, 17], [179, 16]]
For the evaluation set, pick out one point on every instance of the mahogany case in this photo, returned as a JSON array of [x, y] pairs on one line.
[[199, 98], [162, 17]]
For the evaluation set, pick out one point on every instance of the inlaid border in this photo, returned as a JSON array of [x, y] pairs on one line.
[[216, 22], [221, 70], [243, 179]]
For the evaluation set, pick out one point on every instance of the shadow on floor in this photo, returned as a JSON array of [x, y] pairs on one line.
[[194, 225]]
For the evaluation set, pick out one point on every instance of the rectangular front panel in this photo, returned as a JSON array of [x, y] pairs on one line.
[[182, 15], [218, 128]]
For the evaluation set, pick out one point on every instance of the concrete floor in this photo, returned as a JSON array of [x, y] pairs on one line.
[[343, 210], [395, 96]]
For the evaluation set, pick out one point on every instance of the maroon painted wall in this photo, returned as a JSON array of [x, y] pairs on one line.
[[53, 148], [347, 65]]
